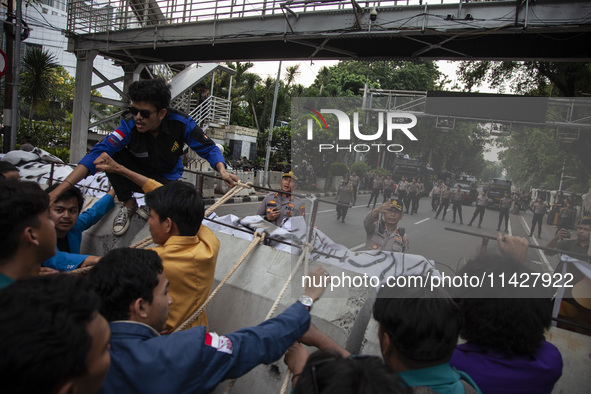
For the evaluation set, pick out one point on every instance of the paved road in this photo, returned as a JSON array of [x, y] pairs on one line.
[[427, 235]]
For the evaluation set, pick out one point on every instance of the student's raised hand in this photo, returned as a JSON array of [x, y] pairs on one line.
[[514, 247], [318, 279], [106, 163]]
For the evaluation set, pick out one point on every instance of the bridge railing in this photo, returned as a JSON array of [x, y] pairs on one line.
[[86, 16]]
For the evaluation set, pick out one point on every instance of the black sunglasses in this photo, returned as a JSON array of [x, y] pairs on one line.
[[145, 113]]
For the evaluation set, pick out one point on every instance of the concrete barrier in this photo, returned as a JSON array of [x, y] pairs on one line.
[[248, 296], [209, 185], [274, 180], [248, 176]]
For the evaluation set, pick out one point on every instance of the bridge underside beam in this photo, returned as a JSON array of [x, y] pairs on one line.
[[477, 31]]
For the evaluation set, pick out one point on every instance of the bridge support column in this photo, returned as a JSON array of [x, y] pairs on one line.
[[132, 74], [81, 110]]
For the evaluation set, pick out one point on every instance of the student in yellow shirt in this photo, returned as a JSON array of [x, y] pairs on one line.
[[188, 250]]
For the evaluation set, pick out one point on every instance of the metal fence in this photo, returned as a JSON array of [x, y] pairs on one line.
[[86, 16]]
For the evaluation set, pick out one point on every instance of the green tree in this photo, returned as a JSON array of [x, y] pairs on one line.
[[291, 73], [530, 78], [348, 78], [37, 78], [250, 94], [543, 153]]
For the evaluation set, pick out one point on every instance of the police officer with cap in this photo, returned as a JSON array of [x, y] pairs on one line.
[[381, 227], [278, 207]]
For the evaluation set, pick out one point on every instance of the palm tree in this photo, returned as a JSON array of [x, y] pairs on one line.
[[323, 78], [251, 82], [291, 73], [37, 78]]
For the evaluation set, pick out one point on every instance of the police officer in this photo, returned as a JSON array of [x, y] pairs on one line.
[[481, 203], [355, 182], [456, 200], [377, 186], [402, 191], [435, 193], [446, 193], [417, 199], [278, 207], [381, 228], [505, 205], [389, 185], [540, 208], [413, 189], [344, 198]]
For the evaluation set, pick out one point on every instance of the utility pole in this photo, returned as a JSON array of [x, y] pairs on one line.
[[271, 127], [7, 113], [15, 78]]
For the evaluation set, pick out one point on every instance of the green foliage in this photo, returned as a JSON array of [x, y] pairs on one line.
[[62, 153], [348, 78], [37, 78], [280, 146], [490, 171], [360, 168], [45, 134], [382, 171], [533, 158], [530, 78], [338, 169]]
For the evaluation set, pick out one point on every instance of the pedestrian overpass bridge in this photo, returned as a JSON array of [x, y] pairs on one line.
[[141, 35]]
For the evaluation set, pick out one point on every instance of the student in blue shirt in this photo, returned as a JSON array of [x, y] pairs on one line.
[[70, 222]]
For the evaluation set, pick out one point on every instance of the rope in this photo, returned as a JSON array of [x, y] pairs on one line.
[[231, 193], [306, 247], [285, 383], [143, 243], [258, 237], [303, 258]]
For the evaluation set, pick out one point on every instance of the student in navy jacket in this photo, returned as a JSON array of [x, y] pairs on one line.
[[135, 299]]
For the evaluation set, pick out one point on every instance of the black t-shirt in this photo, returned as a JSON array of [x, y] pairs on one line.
[[63, 245]]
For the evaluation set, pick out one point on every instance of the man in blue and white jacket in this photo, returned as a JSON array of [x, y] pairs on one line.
[[69, 222], [150, 141], [134, 292]]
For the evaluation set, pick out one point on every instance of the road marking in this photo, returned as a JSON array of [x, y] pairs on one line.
[[542, 255], [421, 221], [354, 248]]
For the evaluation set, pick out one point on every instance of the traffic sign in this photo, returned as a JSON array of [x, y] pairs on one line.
[[3, 63]]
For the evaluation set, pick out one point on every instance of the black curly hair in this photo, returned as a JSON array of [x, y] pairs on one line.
[[513, 325]]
